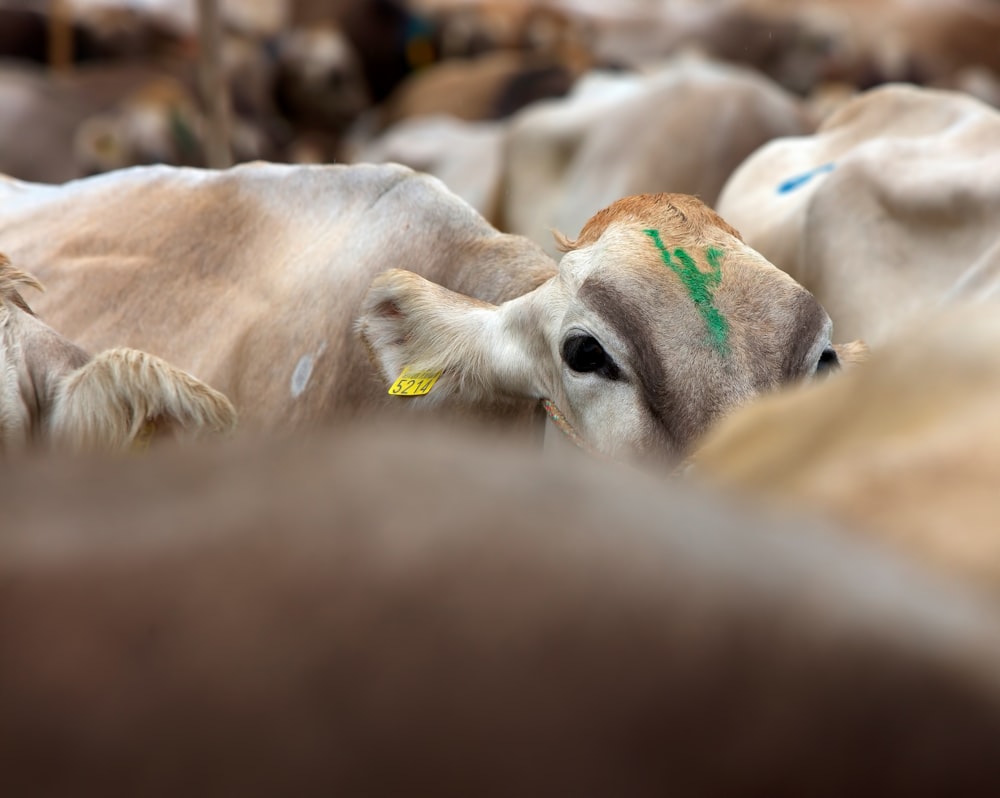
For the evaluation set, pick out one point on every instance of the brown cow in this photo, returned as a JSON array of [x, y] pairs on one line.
[[489, 86], [54, 394], [383, 613], [657, 321]]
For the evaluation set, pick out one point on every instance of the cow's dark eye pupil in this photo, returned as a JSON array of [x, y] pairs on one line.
[[584, 354]]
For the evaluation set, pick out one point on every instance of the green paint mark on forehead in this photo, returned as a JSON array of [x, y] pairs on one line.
[[699, 286]]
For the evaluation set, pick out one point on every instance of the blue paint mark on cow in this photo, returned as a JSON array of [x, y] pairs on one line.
[[301, 375], [800, 180]]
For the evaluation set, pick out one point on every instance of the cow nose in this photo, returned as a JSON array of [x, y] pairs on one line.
[[828, 361]]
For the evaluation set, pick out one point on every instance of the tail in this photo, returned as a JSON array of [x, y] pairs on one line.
[[123, 397]]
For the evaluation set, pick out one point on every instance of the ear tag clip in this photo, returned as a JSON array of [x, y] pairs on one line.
[[414, 383]]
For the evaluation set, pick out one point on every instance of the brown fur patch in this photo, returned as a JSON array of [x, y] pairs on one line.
[[852, 353], [12, 280], [649, 210]]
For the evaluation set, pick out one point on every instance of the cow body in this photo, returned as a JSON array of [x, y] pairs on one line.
[[490, 86], [656, 322], [672, 130], [260, 621], [466, 156], [882, 210]]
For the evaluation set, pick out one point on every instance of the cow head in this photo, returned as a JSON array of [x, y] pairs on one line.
[[659, 320], [54, 394]]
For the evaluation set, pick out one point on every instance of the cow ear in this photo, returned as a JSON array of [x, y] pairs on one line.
[[850, 354], [122, 398], [480, 349]]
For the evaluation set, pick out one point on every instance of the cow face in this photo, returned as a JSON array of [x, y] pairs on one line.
[[659, 321]]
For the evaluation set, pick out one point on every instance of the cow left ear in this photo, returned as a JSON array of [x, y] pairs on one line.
[[481, 350], [123, 398]]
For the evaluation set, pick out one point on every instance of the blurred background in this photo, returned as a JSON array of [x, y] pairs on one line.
[[486, 95]]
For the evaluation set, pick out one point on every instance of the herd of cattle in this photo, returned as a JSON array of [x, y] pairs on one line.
[[276, 516]]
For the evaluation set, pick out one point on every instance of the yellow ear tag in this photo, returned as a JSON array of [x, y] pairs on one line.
[[414, 383]]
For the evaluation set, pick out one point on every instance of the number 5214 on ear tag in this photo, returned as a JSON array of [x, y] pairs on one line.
[[414, 383]]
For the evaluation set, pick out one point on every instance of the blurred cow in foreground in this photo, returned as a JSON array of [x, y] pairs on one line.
[[267, 620], [906, 448], [53, 394]]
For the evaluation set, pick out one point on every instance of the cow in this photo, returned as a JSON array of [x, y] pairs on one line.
[[386, 610], [466, 156], [802, 45], [57, 396], [465, 30], [656, 321], [869, 43], [95, 32], [903, 449], [666, 130], [489, 86], [105, 116], [391, 37], [882, 210]]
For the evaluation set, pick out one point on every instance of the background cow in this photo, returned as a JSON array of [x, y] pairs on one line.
[[670, 130], [882, 210]]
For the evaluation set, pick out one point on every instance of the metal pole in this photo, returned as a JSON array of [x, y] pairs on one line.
[[60, 41], [215, 95]]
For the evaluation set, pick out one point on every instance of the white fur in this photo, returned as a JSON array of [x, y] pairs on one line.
[[108, 402]]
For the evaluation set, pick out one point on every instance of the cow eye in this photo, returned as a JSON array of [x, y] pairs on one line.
[[828, 361], [584, 354]]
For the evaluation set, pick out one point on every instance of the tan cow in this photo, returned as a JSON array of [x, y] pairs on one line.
[[873, 41], [800, 44], [674, 129], [657, 321], [56, 395], [384, 613], [466, 156], [906, 448], [882, 210], [489, 86]]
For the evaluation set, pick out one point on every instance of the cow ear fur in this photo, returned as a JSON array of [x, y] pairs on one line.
[[481, 349], [122, 397]]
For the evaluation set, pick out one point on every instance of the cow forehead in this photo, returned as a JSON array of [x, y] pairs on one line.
[[668, 262], [686, 220], [699, 292]]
